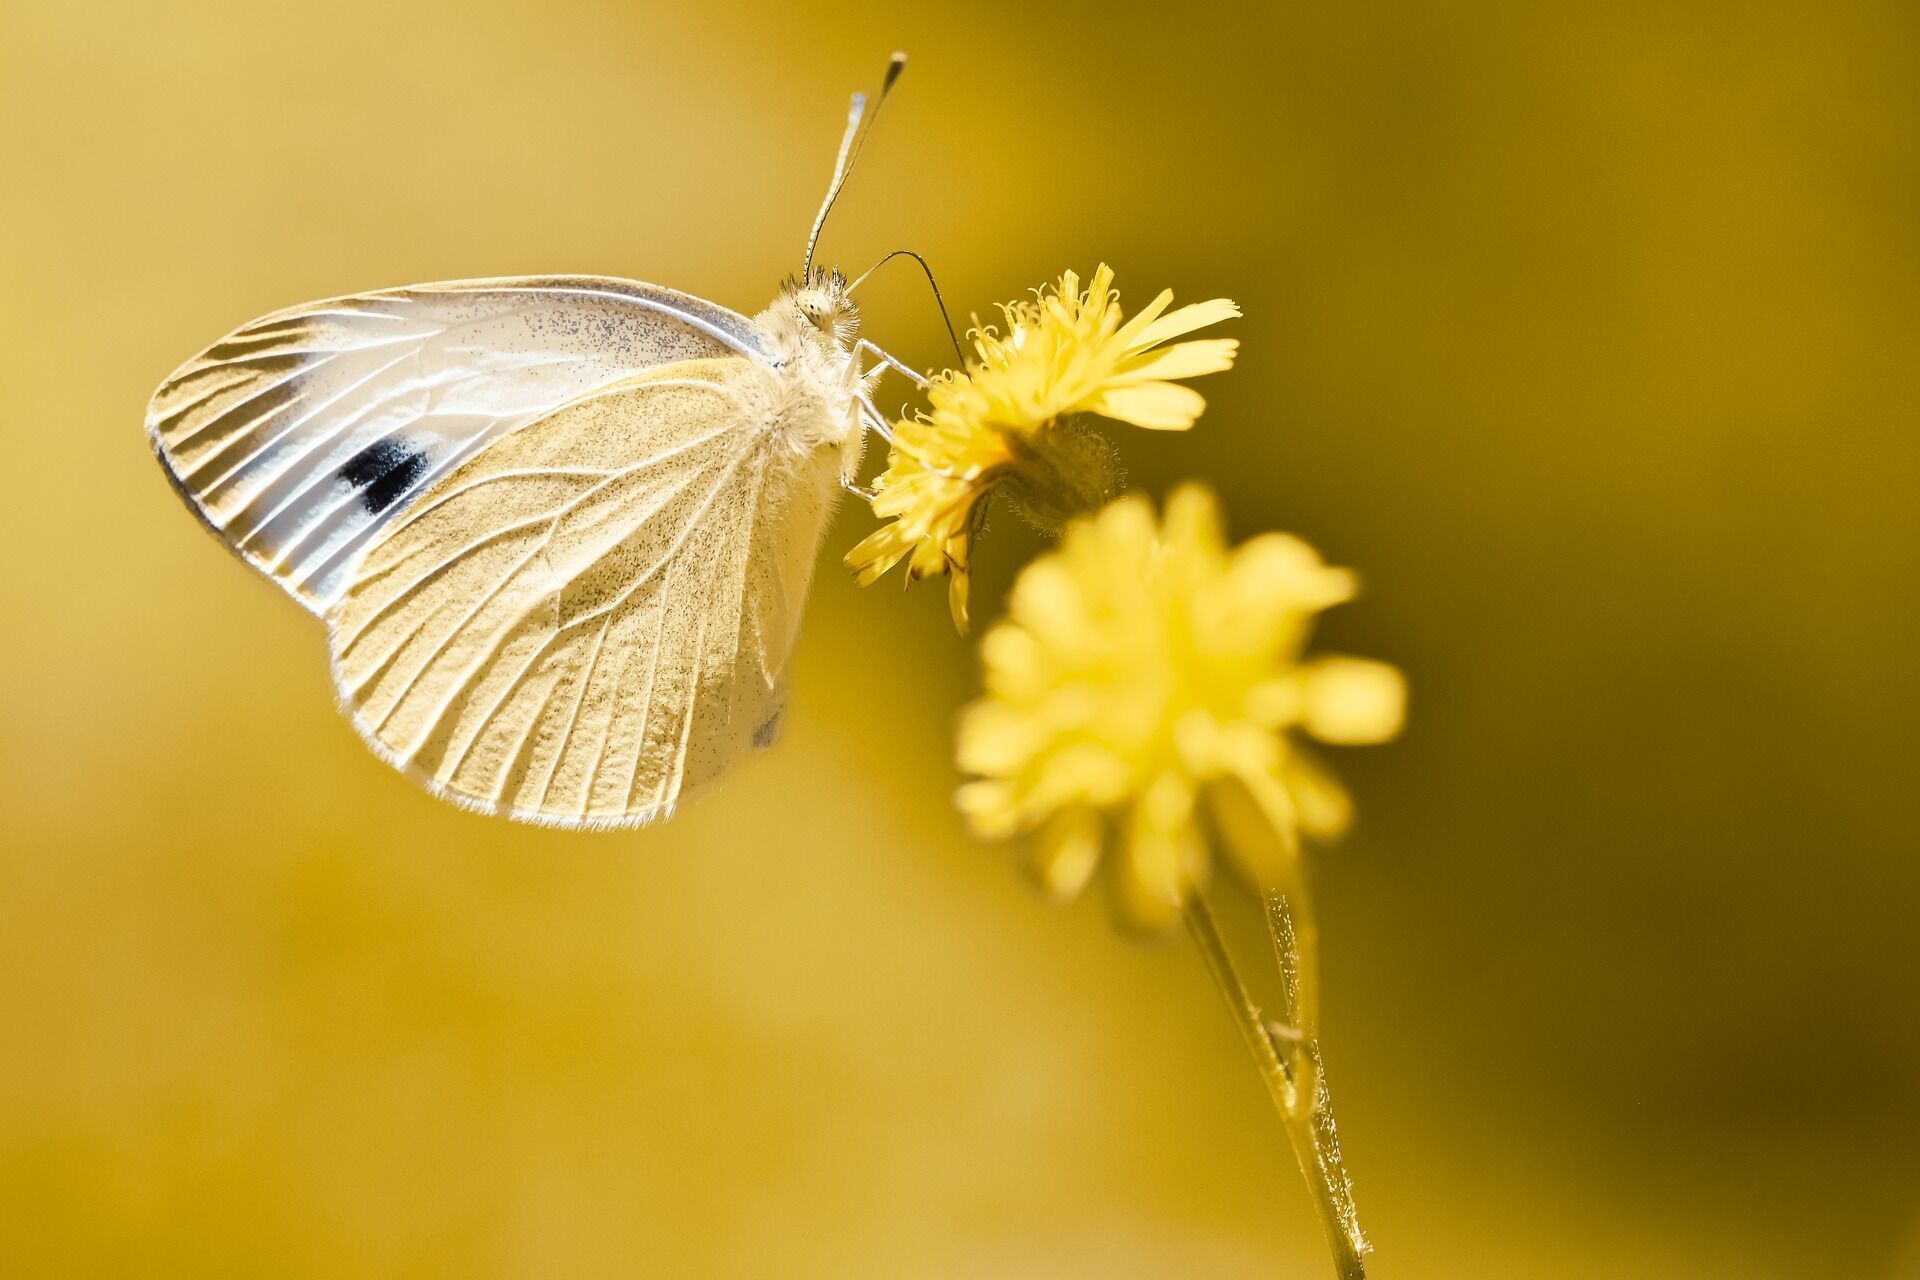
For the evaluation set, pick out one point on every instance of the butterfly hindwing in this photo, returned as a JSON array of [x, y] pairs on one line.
[[300, 436], [589, 618]]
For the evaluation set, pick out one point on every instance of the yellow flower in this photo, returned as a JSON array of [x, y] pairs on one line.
[[1147, 679], [1004, 419]]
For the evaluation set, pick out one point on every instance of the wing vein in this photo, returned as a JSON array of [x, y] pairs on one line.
[[573, 718]]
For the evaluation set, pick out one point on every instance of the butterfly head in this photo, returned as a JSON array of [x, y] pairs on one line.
[[823, 307]]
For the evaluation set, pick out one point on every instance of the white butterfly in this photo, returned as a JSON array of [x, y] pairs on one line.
[[561, 529]]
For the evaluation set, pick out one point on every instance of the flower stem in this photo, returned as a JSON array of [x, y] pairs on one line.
[[1296, 951], [1326, 1178]]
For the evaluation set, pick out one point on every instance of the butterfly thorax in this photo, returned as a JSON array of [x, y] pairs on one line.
[[809, 329]]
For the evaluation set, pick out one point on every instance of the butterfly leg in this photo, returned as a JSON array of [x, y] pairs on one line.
[[863, 347], [861, 382], [871, 418]]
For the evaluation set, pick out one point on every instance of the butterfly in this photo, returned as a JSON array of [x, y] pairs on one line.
[[561, 529]]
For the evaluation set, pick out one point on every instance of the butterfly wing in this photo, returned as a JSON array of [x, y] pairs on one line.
[[299, 437], [590, 618]]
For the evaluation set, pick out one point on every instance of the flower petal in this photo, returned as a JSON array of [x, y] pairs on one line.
[[1182, 360], [1165, 861], [1193, 519], [1256, 819], [1156, 406], [1014, 663], [988, 808], [1352, 700], [957, 585], [1066, 851], [996, 738], [1283, 570], [1084, 773], [1195, 315], [1325, 809], [1129, 335], [878, 552]]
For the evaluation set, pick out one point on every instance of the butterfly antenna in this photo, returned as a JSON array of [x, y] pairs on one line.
[[932, 284], [859, 121]]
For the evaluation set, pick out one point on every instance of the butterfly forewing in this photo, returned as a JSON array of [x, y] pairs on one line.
[[589, 618], [298, 437]]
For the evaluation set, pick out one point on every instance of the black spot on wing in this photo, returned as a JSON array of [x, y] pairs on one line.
[[384, 471], [767, 734]]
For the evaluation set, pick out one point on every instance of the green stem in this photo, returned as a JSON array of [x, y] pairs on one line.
[[1325, 1181], [1296, 950]]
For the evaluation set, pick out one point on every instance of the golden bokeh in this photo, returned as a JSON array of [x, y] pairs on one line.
[[1585, 332]]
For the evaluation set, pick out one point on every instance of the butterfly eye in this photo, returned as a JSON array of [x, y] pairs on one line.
[[818, 313]]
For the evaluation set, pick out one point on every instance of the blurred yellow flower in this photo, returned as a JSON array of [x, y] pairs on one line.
[[1004, 419], [1149, 674]]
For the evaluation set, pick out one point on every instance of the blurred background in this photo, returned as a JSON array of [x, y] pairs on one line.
[[1586, 332]]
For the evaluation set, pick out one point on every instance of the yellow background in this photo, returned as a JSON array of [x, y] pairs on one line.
[[1587, 332]]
